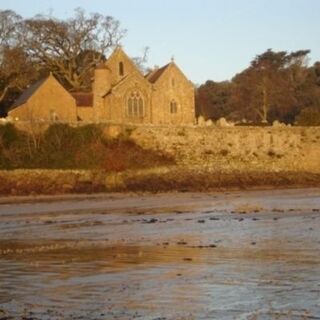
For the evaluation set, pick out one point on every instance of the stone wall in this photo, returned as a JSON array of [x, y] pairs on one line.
[[206, 159], [237, 148]]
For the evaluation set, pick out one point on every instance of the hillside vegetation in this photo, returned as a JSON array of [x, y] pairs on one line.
[[64, 147]]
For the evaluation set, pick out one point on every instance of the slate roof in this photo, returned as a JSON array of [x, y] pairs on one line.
[[27, 93], [154, 76], [83, 99]]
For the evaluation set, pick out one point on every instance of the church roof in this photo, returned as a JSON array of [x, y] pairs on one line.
[[83, 99], [154, 76], [101, 65], [28, 93]]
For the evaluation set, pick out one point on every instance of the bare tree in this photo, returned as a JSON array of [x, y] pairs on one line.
[[10, 23], [16, 70], [72, 48], [141, 61]]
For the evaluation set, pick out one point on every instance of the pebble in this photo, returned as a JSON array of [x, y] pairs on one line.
[[187, 259]]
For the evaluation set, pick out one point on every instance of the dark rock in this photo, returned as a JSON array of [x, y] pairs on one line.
[[201, 221], [152, 220]]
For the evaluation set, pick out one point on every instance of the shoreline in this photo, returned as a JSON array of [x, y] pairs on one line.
[[72, 184], [51, 198]]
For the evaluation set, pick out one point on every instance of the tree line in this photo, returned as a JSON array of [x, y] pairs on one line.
[[276, 86]]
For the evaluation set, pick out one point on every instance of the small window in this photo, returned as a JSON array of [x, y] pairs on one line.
[[121, 69], [173, 106], [172, 82], [53, 115]]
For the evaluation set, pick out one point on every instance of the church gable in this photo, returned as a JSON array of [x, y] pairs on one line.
[[164, 96], [154, 75], [28, 93], [173, 97], [129, 100], [52, 87], [169, 76], [134, 80], [120, 66], [45, 100]]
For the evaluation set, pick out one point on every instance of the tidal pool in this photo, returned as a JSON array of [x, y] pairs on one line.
[[229, 255]]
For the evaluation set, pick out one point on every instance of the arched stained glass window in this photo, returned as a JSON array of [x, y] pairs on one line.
[[135, 105]]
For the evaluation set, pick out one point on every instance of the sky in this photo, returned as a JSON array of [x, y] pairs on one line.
[[209, 39]]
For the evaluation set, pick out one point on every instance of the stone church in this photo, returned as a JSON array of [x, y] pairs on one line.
[[120, 94]]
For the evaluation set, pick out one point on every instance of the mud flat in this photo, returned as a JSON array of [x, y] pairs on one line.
[[231, 255]]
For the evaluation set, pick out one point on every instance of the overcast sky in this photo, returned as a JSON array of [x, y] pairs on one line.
[[209, 39]]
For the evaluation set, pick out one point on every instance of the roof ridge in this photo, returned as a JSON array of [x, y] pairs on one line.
[[154, 76]]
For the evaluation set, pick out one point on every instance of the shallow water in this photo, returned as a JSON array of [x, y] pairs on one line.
[[237, 255]]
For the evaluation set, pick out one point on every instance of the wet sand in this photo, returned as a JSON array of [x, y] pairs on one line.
[[232, 255]]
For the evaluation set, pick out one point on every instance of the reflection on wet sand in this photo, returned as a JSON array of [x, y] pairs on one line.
[[193, 261]]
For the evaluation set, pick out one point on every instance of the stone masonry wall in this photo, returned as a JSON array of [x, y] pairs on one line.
[[237, 148], [206, 159]]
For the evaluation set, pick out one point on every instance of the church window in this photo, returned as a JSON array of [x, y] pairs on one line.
[[173, 106], [121, 69], [135, 105], [53, 115], [173, 82]]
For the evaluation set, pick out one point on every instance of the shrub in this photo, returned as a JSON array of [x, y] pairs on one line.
[[8, 135], [308, 117], [65, 147]]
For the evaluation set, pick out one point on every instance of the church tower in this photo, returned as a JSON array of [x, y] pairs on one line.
[[101, 86]]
